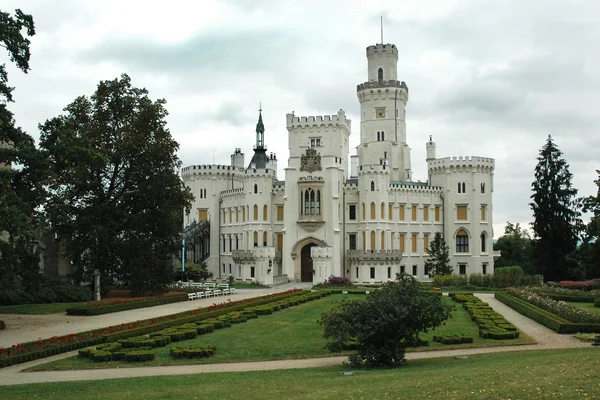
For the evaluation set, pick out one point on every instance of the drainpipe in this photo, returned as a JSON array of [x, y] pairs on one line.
[[343, 231]]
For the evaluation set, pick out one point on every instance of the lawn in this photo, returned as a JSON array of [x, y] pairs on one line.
[[568, 374], [589, 307], [289, 333], [49, 308]]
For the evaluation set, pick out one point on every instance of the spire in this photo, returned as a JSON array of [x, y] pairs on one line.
[[260, 129]]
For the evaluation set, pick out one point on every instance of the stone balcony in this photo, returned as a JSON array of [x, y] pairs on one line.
[[389, 257], [311, 223]]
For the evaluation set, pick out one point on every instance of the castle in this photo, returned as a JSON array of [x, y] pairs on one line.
[[368, 222]]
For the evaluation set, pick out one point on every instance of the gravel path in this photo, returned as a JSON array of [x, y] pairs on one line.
[[545, 338]]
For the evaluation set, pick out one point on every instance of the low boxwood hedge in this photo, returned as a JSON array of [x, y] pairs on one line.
[[491, 324], [198, 351], [597, 303], [453, 339], [579, 299], [99, 309]]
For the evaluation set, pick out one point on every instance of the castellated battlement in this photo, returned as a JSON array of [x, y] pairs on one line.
[[373, 169], [382, 84], [382, 49], [320, 120], [238, 192], [321, 252], [413, 187], [482, 163], [257, 172], [210, 169]]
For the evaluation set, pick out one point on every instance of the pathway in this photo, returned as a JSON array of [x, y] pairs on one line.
[[545, 338]]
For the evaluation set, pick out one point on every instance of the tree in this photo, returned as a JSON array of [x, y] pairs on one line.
[[385, 323], [439, 253], [193, 272], [555, 214], [515, 248], [21, 168], [586, 258], [115, 194]]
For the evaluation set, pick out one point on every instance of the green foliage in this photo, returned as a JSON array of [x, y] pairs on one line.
[[99, 309], [453, 339], [398, 311], [438, 262], [2, 325], [515, 247], [444, 280], [193, 272], [197, 351], [555, 214], [46, 294], [21, 189], [597, 303], [114, 193], [510, 270]]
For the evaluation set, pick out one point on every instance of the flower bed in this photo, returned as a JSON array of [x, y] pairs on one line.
[[122, 304], [575, 285], [544, 317], [557, 307], [29, 351]]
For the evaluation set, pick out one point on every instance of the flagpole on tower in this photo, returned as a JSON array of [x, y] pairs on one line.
[[382, 29]]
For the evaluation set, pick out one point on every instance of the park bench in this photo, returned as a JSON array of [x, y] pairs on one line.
[[199, 295], [223, 286], [191, 296], [210, 285], [217, 292]]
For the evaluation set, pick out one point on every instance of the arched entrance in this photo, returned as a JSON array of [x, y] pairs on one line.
[[306, 263]]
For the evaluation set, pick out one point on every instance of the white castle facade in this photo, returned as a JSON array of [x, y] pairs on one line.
[[368, 222]]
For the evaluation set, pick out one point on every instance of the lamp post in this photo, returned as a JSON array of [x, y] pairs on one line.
[[182, 258]]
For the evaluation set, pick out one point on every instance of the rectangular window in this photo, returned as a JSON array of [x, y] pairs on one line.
[[403, 269], [425, 213], [315, 142], [414, 243], [230, 215], [390, 212], [223, 267], [255, 212], [425, 242], [401, 213], [372, 273], [223, 216], [462, 268], [483, 212], [426, 270], [251, 272], [414, 271], [462, 244], [280, 242], [352, 212], [202, 215], [437, 213], [240, 272], [237, 215], [356, 272], [223, 244], [461, 213], [279, 213], [352, 241], [229, 269], [402, 242], [414, 212], [484, 268], [389, 272], [243, 215]]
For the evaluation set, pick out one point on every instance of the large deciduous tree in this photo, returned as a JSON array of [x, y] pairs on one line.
[[515, 247], [21, 168], [555, 214], [115, 194], [385, 323], [438, 262]]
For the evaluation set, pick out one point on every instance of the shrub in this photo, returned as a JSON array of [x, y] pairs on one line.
[[339, 280], [444, 280], [575, 285], [101, 356], [72, 293], [14, 297], [139, 355], [597, 303], [44, 295], [193, 351], [510, 270]]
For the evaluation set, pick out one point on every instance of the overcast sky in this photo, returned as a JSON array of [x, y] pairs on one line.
[[486, 78]]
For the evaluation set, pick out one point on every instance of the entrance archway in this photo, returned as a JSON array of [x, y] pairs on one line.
[[306, 263]]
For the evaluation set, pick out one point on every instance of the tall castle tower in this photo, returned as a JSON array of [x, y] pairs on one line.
[[382, 109]]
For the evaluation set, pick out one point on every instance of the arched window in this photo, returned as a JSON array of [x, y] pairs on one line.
[[381, 161], [200, 193], [265, 212], [380, 75], [265, 239], [204, 193], [382, 215], [378, 136], [372, 210], [382, 240], [255, 188], [372, 186], [382, 136], [462, 241], [318, 204], [372, 240], [482, 188], [312, 202], [364, 212], [255, 212], [458, 187], [464, 188], [255, 239], [364, 241], [483, 242]]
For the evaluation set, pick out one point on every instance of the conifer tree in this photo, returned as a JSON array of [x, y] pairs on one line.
[[555, 214], [439, 253]]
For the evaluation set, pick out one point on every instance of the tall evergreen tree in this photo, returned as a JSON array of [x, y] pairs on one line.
[[439, 253], [21, 168], [115, 192], [555, 214]]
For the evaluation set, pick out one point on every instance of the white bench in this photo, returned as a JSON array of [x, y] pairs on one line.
[[217, 292], [226, 292], [209, 293], [199, 295], [210, 285], [191, 296]]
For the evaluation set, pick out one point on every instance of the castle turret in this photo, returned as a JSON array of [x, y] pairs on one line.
[[430, 147], [260, 158], [237, 158]]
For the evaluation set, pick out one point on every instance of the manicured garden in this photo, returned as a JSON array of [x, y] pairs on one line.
[[286, 334], [568, 374]]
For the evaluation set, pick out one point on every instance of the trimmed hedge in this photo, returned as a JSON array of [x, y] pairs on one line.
[[193, 351], [544, 317], [453, 339], [130, 305], [597, 303], [579, 299]]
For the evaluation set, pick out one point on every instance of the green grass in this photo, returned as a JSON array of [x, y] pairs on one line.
[[567, 374], [50, 308], [286, 334], [589, 307]]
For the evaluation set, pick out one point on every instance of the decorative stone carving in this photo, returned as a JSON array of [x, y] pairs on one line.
[[311, 161]]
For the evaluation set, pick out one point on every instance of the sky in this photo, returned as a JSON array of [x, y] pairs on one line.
[[485, 78]]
